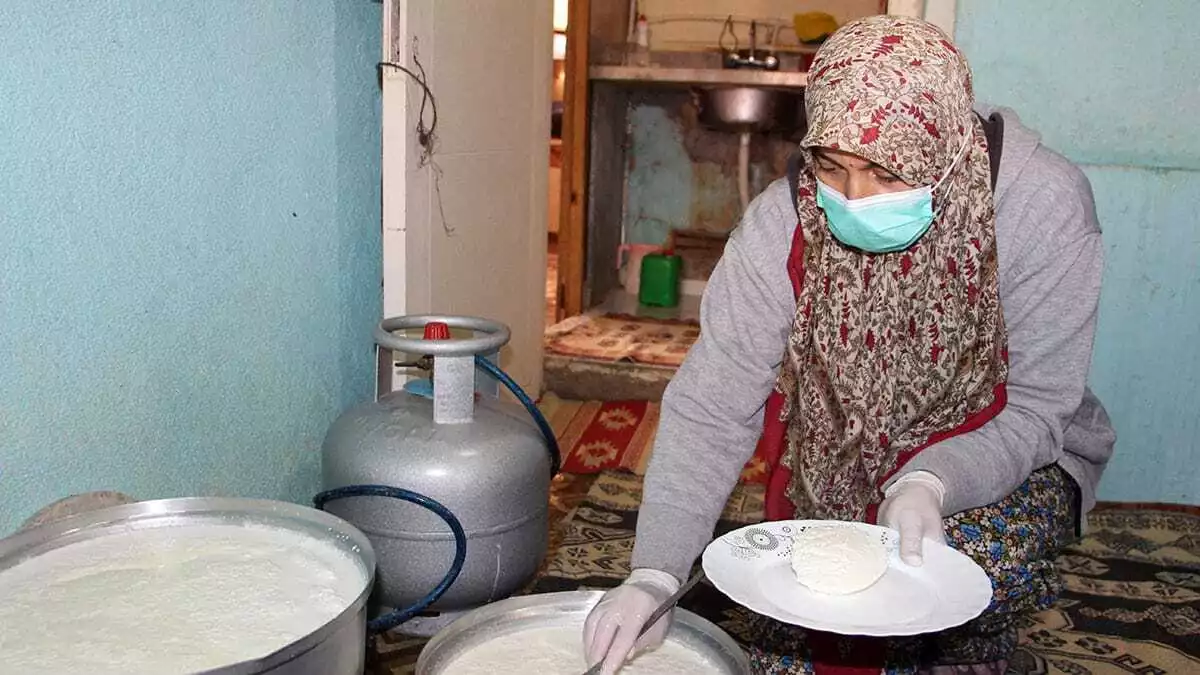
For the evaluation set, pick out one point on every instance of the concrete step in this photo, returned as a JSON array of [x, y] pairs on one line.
[[592, 380]]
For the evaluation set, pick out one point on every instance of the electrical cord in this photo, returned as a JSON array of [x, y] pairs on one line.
[[426, 134]]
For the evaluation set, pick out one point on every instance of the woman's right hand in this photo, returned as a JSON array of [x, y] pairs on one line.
[[610, 634]]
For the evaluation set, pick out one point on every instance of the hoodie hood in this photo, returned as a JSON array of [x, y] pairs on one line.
[[1020, 143]]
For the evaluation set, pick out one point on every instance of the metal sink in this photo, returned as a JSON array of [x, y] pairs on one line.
[[745, 109]]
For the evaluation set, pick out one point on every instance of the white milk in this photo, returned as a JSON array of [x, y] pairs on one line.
[[170, 600], [558, 650]]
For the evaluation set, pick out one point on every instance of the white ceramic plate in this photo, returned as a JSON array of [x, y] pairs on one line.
[[752, 566]]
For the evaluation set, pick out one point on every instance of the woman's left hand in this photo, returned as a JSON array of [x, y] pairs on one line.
[[913, 507]]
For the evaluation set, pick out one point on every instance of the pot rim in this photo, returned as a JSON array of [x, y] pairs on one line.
[[30, 543], [576, 602]]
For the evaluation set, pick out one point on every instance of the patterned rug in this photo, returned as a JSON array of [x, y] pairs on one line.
[[601, 435], [597, 539], [622, 338], [1132, 602]]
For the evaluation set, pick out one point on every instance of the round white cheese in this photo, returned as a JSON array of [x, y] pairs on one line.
[[838, 559]]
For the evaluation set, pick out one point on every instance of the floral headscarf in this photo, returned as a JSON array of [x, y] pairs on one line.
[[891, 352]]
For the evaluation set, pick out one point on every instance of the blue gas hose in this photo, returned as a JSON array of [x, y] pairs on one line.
[[393, 619], [538, 419]]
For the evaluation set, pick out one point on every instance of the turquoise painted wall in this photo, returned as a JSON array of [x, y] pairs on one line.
[[1113, 86], [190, 260], [660, 180], [682, 175]]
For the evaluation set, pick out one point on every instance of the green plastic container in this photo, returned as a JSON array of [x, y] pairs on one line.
[[659, 281]]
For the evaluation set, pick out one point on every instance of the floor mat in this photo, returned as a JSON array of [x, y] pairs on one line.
[[595, 436], [623, 338], [597, 539], [1131, 605], [1132, 602]]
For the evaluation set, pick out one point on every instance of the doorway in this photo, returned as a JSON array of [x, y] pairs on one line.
[[628, 190]]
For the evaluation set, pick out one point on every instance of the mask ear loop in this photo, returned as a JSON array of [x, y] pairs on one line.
[[950, 169]]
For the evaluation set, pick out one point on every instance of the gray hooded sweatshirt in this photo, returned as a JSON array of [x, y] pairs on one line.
[[1051, 260]]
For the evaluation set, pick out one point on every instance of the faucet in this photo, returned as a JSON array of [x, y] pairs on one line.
[[750, 58]]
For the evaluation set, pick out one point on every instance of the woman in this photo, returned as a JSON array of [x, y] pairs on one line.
[[914, 350]]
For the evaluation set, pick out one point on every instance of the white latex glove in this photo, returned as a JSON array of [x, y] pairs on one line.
[[611, 630], [913, 507]]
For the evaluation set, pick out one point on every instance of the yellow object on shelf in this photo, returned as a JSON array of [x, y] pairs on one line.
[[814, 26]]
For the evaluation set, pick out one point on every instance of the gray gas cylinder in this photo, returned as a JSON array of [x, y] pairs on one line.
[[481, 457]]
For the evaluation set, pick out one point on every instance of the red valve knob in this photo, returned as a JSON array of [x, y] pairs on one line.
[[436, 330]]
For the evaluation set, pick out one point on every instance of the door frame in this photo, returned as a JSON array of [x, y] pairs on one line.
[[572, 227], [393, 86]]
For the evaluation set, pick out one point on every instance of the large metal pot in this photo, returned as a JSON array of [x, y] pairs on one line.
[[337, 648], [508, 618]]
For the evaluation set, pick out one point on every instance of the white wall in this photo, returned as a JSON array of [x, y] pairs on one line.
[[686, 35], [473, 240]]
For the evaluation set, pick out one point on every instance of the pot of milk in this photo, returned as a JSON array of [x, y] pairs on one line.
[[182, 586], [543, 634]]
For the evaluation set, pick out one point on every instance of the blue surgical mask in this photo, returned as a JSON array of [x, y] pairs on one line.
[[882, 223], [878, 224]]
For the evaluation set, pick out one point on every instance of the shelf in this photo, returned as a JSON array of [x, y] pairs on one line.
[[699, 76]]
